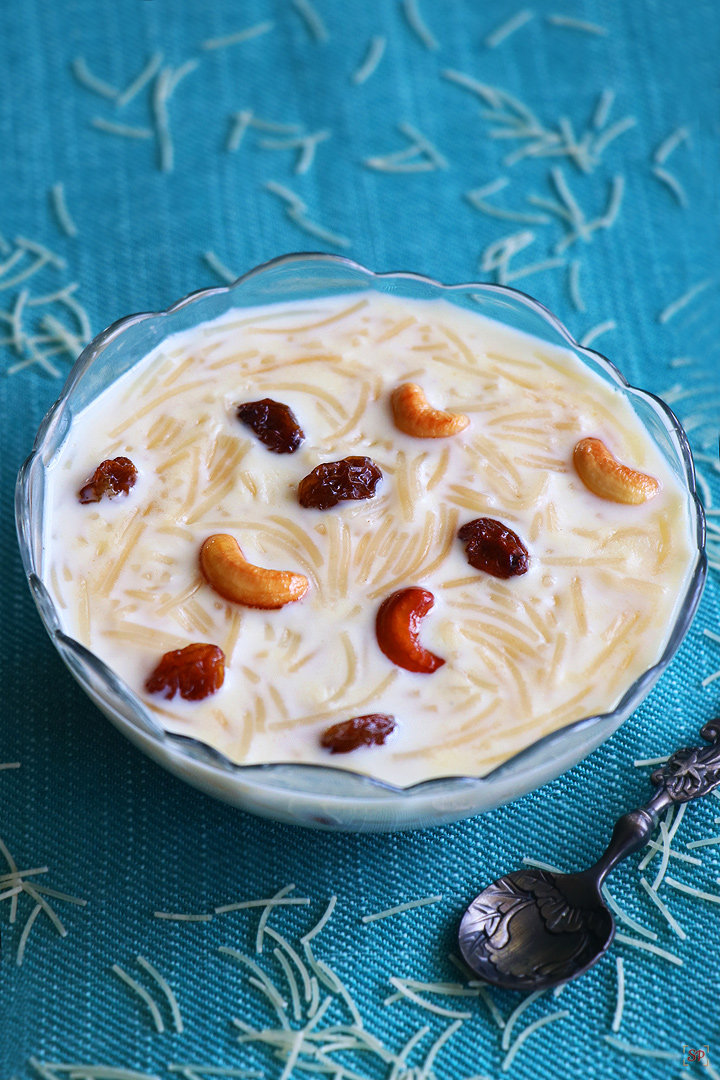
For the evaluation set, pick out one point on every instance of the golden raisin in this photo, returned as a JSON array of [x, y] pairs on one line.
[[371, 730], [114, 476], [494, 548], [334, 481], [274, 424], [194, 672]]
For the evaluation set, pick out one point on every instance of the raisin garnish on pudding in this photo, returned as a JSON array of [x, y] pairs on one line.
[[348, 735], [194, 672], [114, 476], [335, 481], [494, 548], [274, 424]]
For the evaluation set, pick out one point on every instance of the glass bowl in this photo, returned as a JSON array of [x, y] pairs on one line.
[[321, 796]]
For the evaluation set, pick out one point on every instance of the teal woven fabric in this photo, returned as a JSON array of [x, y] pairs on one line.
[[117, 830]]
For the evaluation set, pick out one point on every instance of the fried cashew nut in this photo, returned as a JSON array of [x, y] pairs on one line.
[[396, 629], [228, 572], [414, 416], [603, 474]]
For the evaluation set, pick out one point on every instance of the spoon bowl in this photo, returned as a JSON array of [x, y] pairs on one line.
[[533, 929]]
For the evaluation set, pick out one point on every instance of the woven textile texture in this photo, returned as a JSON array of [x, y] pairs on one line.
[[118, 831]]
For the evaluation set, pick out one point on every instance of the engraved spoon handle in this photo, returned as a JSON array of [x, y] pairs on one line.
[[692, 772], [688, 774]]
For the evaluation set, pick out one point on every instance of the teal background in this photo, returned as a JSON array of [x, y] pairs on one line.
[[116, 829]]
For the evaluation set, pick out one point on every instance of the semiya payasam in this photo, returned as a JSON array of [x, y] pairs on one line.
[[564, 596]]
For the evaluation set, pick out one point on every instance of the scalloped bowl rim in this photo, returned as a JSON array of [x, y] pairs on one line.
[[214, 759]]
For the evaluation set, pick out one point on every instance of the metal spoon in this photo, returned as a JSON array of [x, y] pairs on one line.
[[533, 929]]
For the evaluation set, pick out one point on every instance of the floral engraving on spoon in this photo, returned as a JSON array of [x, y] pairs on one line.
[[692, 771], [524, 930]]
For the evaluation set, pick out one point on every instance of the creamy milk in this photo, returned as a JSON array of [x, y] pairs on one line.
[[524, 656]]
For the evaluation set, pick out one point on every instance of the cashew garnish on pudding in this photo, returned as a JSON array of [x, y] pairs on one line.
[[415, 416], [226, 569], [603, 474], [397, 632]]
